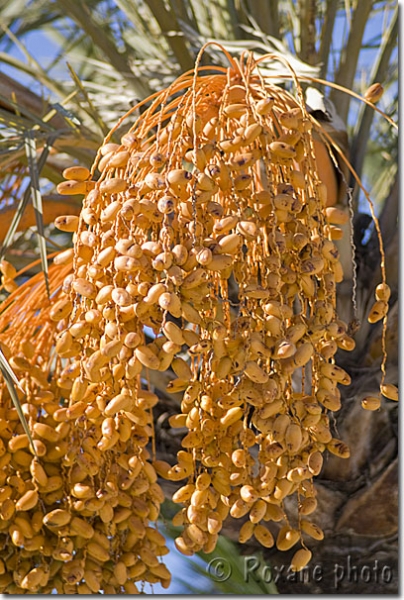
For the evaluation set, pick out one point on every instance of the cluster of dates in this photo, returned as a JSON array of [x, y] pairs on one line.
[[206, 248]]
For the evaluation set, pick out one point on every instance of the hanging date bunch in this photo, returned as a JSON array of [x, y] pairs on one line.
[[78, 495], [216, 187], [207, 248]]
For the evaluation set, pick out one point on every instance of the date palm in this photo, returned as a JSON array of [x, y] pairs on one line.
[[119, 52]]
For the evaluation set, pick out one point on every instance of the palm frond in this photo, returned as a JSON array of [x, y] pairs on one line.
[[378, 74], [34, 173]]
